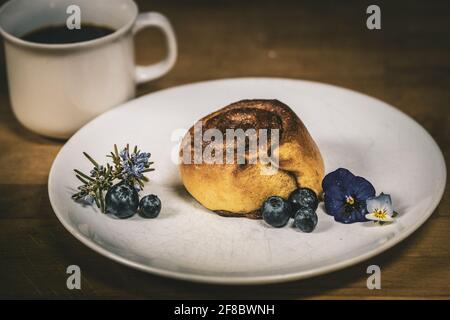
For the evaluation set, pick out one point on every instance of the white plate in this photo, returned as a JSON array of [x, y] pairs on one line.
[[186, 241]]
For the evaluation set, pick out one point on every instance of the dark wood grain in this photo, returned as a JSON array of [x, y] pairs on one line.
[[406, 64]]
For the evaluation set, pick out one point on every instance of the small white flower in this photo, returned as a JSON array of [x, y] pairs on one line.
[[380, 208]]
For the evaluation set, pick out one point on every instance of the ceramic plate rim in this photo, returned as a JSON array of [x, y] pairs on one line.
[[264, 279]]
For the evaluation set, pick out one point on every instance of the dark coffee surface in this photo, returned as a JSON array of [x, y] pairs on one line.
[[62, 35]]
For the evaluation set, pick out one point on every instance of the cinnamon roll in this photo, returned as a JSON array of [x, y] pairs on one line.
[[228, 175]]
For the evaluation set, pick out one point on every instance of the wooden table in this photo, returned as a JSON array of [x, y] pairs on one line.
[[405, 64]]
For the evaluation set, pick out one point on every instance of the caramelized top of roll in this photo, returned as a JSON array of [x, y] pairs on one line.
[[250, 114]]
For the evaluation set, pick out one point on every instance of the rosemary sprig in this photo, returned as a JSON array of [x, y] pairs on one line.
[[91, 159], [126, 167]]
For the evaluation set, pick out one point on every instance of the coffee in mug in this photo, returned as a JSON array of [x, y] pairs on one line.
[[60, 79], [62, 34]]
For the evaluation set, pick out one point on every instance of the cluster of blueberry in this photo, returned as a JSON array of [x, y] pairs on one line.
[[122, 201], [301, 205]]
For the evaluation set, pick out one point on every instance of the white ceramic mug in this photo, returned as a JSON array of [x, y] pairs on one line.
[[57, 88]]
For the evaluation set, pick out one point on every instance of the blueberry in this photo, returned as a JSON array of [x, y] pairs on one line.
[[303, 197], [122, 200], [150, 206], [276, 211], [305, 219]]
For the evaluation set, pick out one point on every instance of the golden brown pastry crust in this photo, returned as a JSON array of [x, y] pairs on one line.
[[240, 190]]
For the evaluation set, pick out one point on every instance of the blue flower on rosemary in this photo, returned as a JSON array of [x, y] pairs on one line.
[[345, 196], [87, 199], [94, 185], [131, 166], [134, 165]]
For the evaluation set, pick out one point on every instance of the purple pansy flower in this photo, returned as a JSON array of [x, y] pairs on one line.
[[345, 196]]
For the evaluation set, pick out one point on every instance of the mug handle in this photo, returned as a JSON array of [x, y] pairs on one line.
[[156, 70]]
